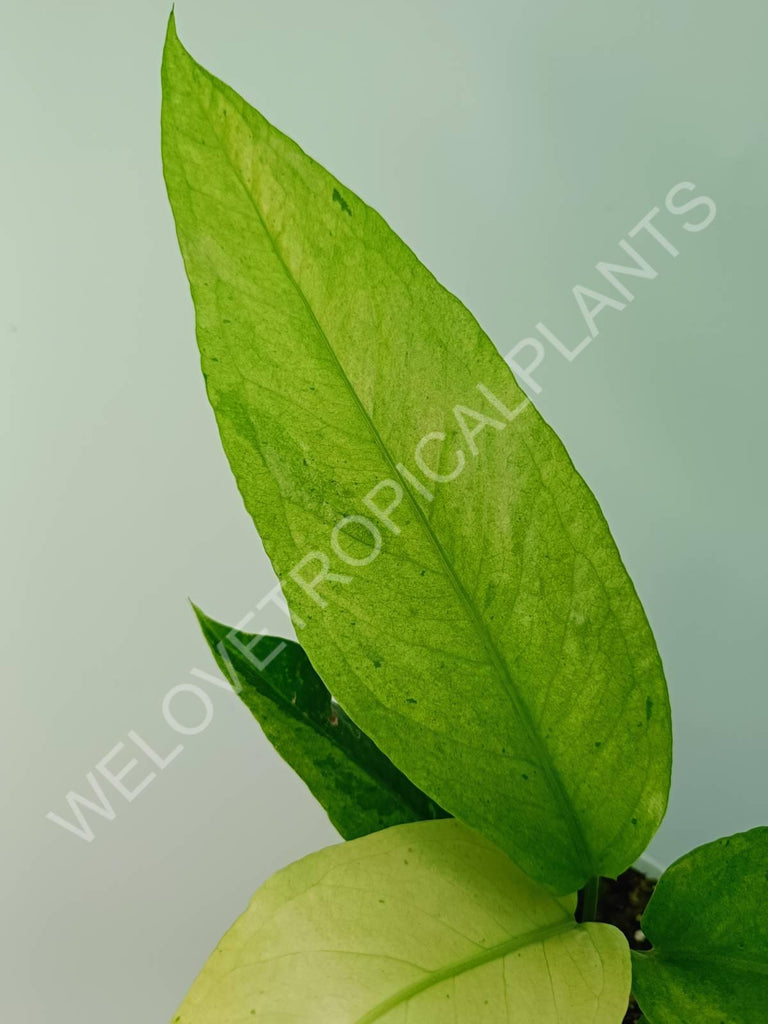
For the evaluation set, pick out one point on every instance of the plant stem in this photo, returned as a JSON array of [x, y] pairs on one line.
[[591, 899]]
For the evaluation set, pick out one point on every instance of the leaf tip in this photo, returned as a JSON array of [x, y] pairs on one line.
[[200, 615], [212, 631], [173, 45]]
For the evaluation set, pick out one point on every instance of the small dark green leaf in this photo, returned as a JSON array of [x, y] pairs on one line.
[[708, 922], [358, 786]]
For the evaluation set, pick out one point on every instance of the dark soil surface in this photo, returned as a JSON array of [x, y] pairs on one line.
[[622, 904]]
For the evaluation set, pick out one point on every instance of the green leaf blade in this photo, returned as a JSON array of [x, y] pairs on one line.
[[495, 649], [708, 923], [358, 786], [421, 922]]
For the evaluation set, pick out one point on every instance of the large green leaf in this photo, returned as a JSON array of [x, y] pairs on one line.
[[423, 923], [359, 787], [492, 644], [708, 922]]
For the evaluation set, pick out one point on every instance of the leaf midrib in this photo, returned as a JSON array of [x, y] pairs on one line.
[[550, 771], [497, 952], [704, 958]]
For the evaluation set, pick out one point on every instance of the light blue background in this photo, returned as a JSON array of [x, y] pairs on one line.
[[512, 145]]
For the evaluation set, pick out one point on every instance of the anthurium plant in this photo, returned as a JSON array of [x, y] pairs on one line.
[[477, 700]]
